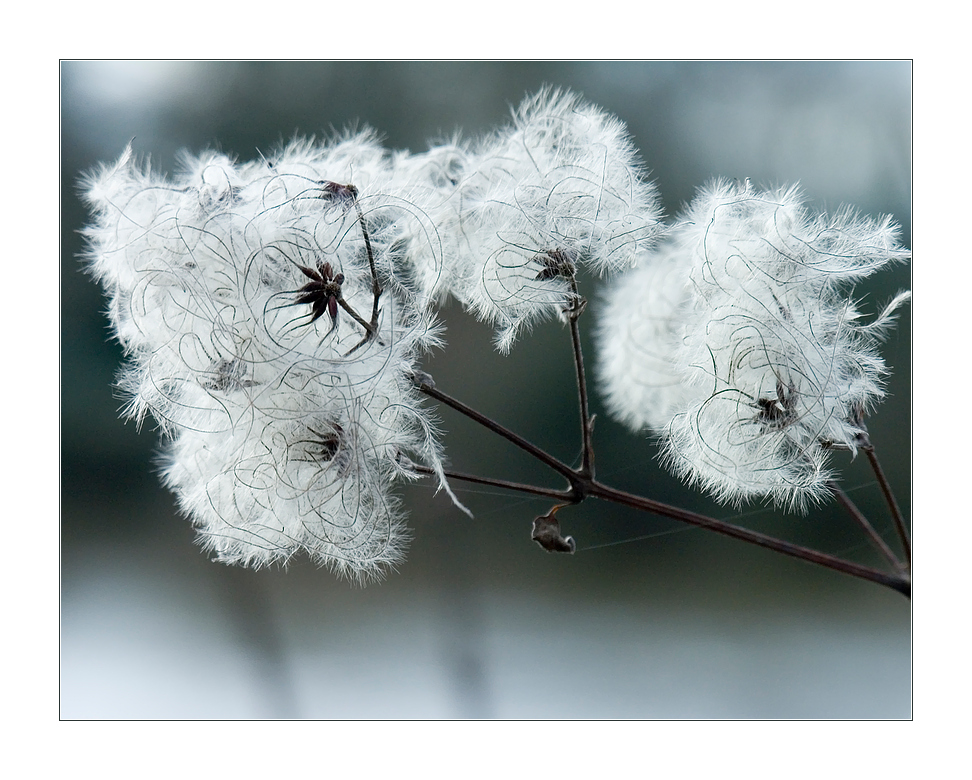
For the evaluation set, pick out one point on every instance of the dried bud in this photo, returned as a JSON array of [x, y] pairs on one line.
[[556, 262], [546, 533]]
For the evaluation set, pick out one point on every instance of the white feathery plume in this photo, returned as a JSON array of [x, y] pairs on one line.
[[638, 332], [772, 363], [560, 186], [227, 290]]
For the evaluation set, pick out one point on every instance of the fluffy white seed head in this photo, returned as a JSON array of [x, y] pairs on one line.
[[313, 481], [288, 425], [639, 331], [773, 363], [429, 243], [560, 186]]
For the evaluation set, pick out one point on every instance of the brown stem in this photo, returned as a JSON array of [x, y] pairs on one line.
[[892, 503], [862, 521], [582, 485], [587, 424], [424, 384], [369, 328], [557, 495], [900, 583], [375, 287]]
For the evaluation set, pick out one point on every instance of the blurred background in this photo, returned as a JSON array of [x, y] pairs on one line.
[[648, 619]]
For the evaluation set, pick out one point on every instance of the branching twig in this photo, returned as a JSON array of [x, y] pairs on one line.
[[583, 485], [892, 503], [872, 534], [587, 423], [424, 384], [375, 286], [370, 329], [900, 583], [556, 495], [347, 192]]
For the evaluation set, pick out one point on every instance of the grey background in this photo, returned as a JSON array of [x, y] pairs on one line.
[[479, 622]]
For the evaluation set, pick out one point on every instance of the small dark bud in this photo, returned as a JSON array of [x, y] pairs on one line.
[[546, 533], [780, 411], [556, 262], [327, 444], [340, 193]]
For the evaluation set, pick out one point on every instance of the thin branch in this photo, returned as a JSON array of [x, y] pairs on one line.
[[892, 503], [862, 521], [573, 314], [424, 384], [370, 329], [900, 583], [583, 485], [556, 495], [375, 287]]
